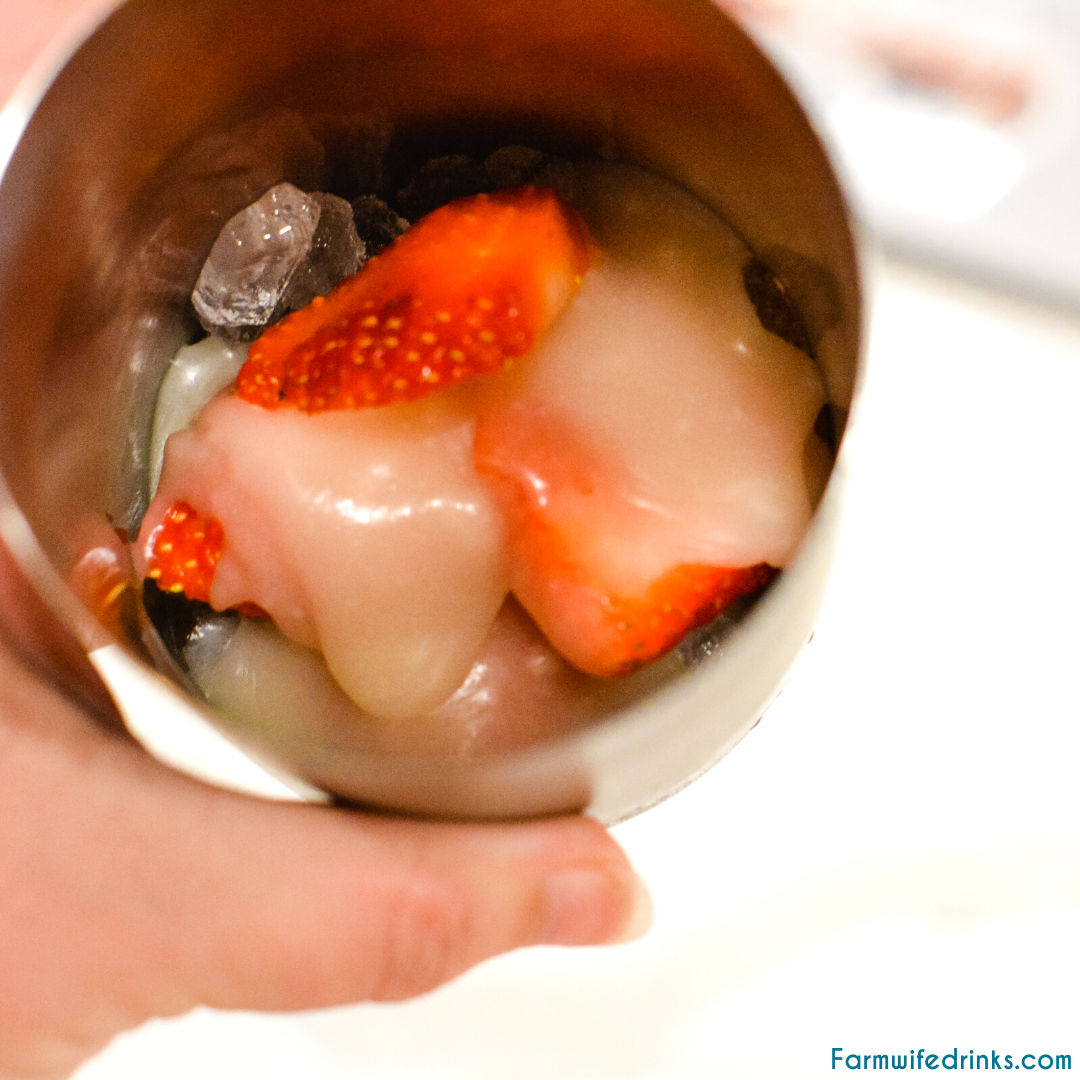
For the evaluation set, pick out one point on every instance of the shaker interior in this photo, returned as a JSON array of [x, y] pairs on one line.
[[101, 223]]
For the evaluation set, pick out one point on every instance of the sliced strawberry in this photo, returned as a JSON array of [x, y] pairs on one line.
[[589, 564], [464, 290], [184, 552], [606, 634], [610, 635], [684, 599]]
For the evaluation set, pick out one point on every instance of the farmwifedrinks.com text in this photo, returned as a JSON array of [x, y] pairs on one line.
[[955, 1059]]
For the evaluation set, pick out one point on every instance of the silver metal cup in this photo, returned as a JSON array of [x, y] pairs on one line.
[[114, 184]]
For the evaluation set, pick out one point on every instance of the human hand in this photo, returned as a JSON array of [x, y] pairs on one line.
[[129, 891]]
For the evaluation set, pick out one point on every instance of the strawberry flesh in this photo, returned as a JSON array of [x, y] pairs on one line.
[[468, 288], [594, 625], [634, 631], [564, 501], [608, 635], [184, 552]]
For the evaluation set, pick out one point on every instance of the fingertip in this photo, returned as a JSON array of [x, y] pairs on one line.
[[640, 916], [587, 904]]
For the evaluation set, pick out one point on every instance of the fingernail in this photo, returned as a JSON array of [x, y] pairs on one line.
[[582, 903]]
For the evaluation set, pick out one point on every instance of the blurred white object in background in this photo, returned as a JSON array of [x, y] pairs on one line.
[[936, 164], [957, 123]]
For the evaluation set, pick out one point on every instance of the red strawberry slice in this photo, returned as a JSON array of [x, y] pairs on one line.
[[610, 635], [571, 523], [684, 599], [466, 289], [184, 552]]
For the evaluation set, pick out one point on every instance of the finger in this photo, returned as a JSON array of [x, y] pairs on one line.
[[344, 908], [129, 891]]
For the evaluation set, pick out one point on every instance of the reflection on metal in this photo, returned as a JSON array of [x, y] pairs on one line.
[[165, 722]]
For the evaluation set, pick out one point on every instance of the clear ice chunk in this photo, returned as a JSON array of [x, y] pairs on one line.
[[252, 260], [336, 253], [207, 642], [211, 180], [356, 146]]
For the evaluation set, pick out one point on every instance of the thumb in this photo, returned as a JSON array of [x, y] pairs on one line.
[[326, 907], [129, 891]]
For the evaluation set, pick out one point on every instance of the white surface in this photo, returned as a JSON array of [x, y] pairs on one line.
[[891, 860], [915, 157], [954, 123]]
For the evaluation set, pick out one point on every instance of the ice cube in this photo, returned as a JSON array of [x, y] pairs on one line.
[[512, 166], [775, 310], [177, 620], [336, 253], [252, 260], [211, 180], [376, 224], [205, 642], [706, 640]]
